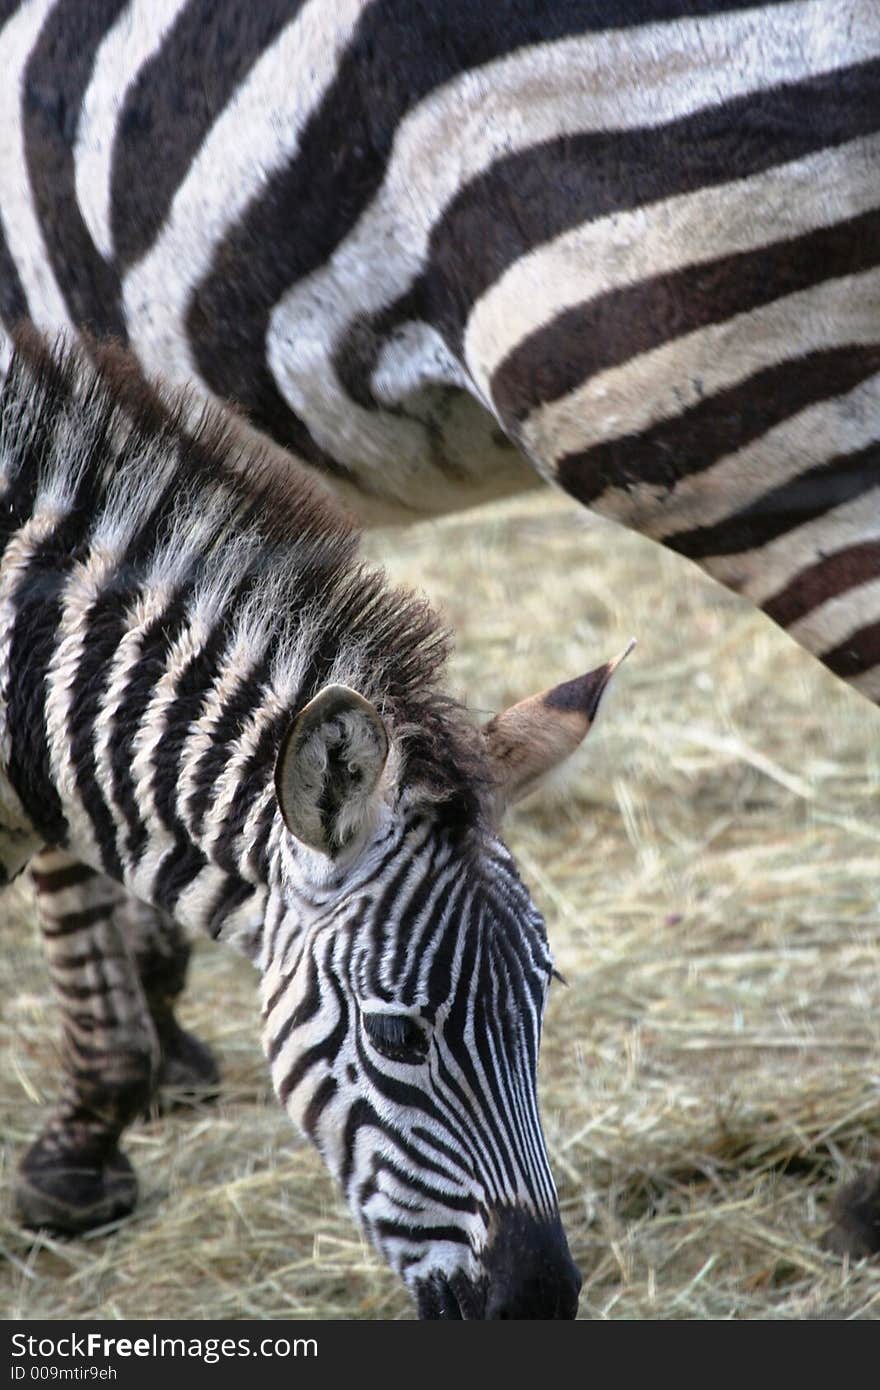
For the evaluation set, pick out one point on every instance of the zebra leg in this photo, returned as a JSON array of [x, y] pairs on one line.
[[117, 968], [74, 1176], [188, 1072]]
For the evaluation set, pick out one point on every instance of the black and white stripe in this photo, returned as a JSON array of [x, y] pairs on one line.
[[167, 612], [639, 240]]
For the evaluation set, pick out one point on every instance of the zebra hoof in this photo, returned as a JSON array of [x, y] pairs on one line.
[[855, 1229], [188, 1072], [69, 1195]]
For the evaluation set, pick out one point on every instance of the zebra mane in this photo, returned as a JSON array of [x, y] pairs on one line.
[[245, 536]]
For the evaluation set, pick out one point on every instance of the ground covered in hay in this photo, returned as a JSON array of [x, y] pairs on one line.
[[710, 873]]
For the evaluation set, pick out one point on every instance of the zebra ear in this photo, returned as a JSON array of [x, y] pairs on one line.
[[328, 769], [530, 739]]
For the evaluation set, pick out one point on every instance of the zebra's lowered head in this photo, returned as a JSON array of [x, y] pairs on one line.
[[403, 1027]]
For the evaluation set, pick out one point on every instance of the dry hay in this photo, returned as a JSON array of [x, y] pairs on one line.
[[711, 880]]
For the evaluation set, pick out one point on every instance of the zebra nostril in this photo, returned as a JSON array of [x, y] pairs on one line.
[[442, 1298]]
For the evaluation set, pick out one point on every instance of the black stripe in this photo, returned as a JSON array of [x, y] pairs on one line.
[[360, 1115], [800, 500], [315, 572], [56, 880], [38, 600], [26, 451], [154, 645], [719, 425], [481, 1134], [308, 1006], [486, 1027], [399, 52], [860, 652], [404, 1096], [432, 1141], [171, 107], [427, 1235], [77, 921], [91, 954], [830, 576], [560, 184], [324, 1093], [604, 172], [105, 626], [229, 850], [97, 988], [227, 900], [612, 328], [178, 868], [412, 1179], [256, 863], [435, 937], [386, 922], [327, 1050], [13, 300], [55, 82], [234, 715], [184, 861], [38, 612]]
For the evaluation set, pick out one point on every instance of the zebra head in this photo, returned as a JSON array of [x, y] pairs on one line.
[[403, 1011]]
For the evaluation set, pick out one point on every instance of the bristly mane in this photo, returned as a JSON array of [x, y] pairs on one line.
[[271, 542]]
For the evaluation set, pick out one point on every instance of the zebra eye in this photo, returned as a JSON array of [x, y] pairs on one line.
[[397, 1036]]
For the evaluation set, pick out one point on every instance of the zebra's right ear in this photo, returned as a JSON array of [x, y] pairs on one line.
[[530, 739], [328, 769]]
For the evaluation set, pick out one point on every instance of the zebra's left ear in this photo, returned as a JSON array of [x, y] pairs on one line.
[[530, 739], [328, 769]]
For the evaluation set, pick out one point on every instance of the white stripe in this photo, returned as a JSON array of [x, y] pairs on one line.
[[24, 235], [145, 751], [838, 424], [665, 383], [241, 928], [625, 248], [868, 683], [240, 750], [81, 591], [257, 134], [762, 572], [145, 610], [236, 666], [616, 80], [135, 37], [16, 558], [828, 625]]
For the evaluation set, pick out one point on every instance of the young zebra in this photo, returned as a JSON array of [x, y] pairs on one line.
[[638, 240], [209, 704]]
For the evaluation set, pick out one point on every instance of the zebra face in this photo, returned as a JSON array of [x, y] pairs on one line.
[[417, 1001], [403, 1018]]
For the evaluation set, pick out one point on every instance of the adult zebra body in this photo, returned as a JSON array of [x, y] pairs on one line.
[[636, 239], [181, 643], [639, 236]]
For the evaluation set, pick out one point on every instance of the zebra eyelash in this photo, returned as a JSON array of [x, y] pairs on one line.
[[398, 1037]]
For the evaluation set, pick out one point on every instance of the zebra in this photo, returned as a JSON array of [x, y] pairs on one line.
[[214, 710], [441, 253]]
